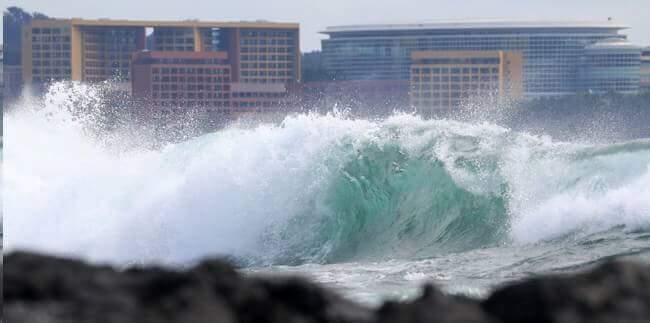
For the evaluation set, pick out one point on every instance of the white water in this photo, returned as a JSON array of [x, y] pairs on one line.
[[66, 192]]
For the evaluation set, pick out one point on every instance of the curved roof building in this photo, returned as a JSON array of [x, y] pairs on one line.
[[552, 50]]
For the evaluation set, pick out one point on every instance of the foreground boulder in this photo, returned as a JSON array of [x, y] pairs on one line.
[[44, 289], [612, 292]]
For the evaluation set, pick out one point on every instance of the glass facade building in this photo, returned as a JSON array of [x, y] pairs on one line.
[[611, 66], [552, 51]]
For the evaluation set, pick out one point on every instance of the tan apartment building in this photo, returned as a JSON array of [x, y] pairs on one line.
[[443, 80], [260, 52]]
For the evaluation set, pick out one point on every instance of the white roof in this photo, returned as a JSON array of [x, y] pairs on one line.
[[481, 24], [613, 43]]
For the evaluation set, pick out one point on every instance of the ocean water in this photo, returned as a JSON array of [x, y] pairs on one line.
[[372, 208]]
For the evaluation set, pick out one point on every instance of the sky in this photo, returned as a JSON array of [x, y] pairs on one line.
[[315, 16]]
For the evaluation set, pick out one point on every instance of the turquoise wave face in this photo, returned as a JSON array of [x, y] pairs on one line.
[[385, 203]]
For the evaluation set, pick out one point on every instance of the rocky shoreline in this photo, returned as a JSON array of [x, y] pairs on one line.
[[46, 289]]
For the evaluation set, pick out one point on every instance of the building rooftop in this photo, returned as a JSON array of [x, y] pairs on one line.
[[166, 23], [481, 24]]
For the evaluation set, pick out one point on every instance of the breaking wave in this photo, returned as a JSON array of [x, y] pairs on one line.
[[312, 189]]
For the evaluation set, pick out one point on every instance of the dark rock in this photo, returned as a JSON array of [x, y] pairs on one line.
[[433, 306], [44, 289], [48, 289], [612, 292], [52, 290]]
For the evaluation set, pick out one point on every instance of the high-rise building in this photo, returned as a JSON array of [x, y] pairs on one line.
[[443, 79], [262, 53], [552, 51]]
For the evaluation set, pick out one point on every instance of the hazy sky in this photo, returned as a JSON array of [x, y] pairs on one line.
[[314, 16]]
